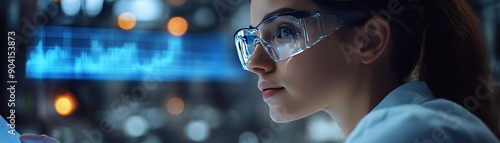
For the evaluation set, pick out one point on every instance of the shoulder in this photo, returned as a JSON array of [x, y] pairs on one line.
[[434, 121]]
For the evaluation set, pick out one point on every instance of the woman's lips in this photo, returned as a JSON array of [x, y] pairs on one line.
[[269, 89], [266, 93]]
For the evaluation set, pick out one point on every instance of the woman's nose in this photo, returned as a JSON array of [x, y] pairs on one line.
[[260, 62]]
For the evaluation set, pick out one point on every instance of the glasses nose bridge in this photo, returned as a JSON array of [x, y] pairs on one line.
[[264, 45], [258, 40]]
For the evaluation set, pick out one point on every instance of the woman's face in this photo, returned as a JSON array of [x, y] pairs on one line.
[[307, 82]]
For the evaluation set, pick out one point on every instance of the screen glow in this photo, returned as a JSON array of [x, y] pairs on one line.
[[89, 53]]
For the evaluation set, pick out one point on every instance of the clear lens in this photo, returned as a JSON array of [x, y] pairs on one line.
[[243, 45], [284, 36]]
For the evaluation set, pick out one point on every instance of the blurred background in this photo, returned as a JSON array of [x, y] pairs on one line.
[[152, 71]]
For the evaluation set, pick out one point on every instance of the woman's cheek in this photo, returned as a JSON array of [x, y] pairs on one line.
[[306, 76]]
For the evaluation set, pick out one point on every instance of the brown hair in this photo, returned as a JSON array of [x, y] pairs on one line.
[[439, 42]]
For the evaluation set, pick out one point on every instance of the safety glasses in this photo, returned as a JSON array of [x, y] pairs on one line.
[[287, 34]]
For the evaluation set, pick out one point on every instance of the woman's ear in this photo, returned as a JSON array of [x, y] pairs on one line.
[[373, 38]]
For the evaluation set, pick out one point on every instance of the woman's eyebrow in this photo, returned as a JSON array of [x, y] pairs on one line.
[[278, 11]]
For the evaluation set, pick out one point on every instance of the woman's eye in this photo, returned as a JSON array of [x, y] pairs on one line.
[[284, 32]]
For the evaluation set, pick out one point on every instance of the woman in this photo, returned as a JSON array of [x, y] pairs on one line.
[[385, 70]]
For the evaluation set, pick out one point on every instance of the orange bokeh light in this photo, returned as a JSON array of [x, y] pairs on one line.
[[177, 26], [175, 106], [65, 104], [126, 21]]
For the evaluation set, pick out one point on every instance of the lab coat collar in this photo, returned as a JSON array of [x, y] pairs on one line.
[[409, 93]]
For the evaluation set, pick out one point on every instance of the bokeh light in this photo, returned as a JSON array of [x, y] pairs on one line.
[[135, 126], [248, 137], [126, 21], [71, 7], [152, 139], [204, 17], [92, 7], [65, 104], [143, 10], [177, 2], [156, 117], [208, 114], [197, 130], [177, 26], [175, 106]]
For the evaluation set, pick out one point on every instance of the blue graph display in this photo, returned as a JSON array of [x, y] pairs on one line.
[[112, 54]]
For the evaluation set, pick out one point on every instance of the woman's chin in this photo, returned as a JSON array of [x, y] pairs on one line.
[[279, 119], [282, 116]]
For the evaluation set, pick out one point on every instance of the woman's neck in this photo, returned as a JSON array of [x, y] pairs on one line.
[[350, 110]]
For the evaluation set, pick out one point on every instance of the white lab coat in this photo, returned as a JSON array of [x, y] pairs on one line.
[[411, 114]]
